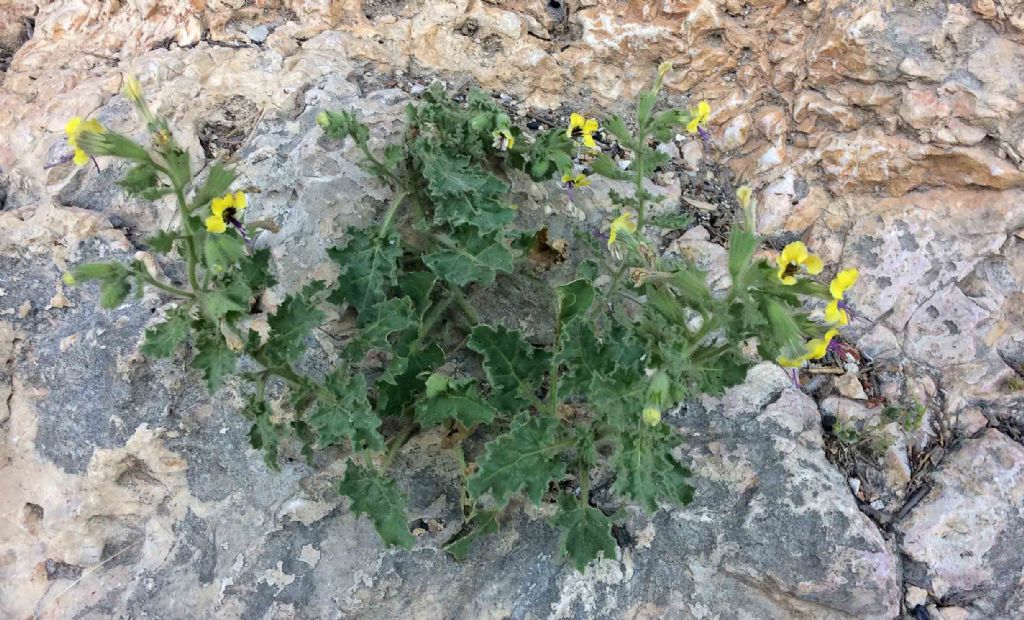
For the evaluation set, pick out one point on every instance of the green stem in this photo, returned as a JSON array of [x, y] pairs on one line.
[[396, 443], [173, 290], [463, 486], [385, 224], [192, 257], [585, 485], [377, 163], [463, 304], [553, 371], [435, 314], [640, 202]]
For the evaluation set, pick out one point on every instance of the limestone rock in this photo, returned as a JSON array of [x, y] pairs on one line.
[[964, 533]]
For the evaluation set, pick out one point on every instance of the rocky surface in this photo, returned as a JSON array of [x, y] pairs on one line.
[[889, 136]]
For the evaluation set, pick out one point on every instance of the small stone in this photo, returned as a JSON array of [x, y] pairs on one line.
[[258, 34], [849, 385], [737, 132], [693, 154], [916, 596], [970, 421], [670, 149]]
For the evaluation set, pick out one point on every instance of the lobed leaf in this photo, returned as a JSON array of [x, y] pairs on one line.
[[527, 457], [368, 269], [586, 532], [513, 367], [645, 469], [378, 498]]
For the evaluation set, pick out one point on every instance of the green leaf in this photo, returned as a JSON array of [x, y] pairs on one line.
[[264, 434], [114, 290], [586, 360], [218, 302], [608, 168], [513, 367], [379, 499], [368, 269], [213, 357], [617, 127], [139, 178], [255, 270], [436, 384], [470, 257], [462, 404], [404, 379], [742, 246], [645, 469], [162, 242], [527, 457], [347, 415], [223, 251], [574, 300], [291, 324], [418, 285], [178, 164], [644, 107], [217, 183], [162, 339], [485, 522], [385, 318], [586, 532]]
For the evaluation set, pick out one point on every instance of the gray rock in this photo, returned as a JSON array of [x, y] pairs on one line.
[[966, 532], [258, 34]]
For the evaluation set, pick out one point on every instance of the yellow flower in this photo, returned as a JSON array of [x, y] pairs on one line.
[[651, 416], [817, 348], [503, 139], [814, 350], [624, 222], [132, 88], [583, 128], [74, 128], [580, 180], [744, 195], [791, 362], [699, 117], [224, 210], [836, 315], [843, 280], [793, 257]]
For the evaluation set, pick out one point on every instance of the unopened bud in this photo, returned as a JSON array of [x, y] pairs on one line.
[[652, 416]]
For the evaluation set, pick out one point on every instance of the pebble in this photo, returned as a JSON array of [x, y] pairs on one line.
[[258, 34]]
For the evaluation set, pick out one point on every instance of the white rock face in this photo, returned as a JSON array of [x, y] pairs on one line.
[[966, 531]]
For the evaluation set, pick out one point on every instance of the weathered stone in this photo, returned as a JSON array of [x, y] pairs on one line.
[[965, 531]]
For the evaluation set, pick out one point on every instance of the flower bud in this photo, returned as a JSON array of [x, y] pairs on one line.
[[69, 278], [132, 88], [652, 416], [323, 120]]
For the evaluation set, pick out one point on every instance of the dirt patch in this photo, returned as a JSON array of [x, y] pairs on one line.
[[379, 8], [13, 35], [228, 127]]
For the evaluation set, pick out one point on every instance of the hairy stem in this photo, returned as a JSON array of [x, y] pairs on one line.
[[167, 288], [385, 224], [396, 444]]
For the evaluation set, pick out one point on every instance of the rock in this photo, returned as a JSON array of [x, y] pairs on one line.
[[736, 132], [849, 385], [693, 154], [258, 34], [964, 533], [915, 596]]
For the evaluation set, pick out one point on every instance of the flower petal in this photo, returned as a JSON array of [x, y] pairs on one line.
[[71, 127], [843, 280], [836, 315], [81, 157], [216, 224], [588, 141], [590, 126], [218, 205], [813, 264], [793, 254], [703, 110], [239, 201]]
